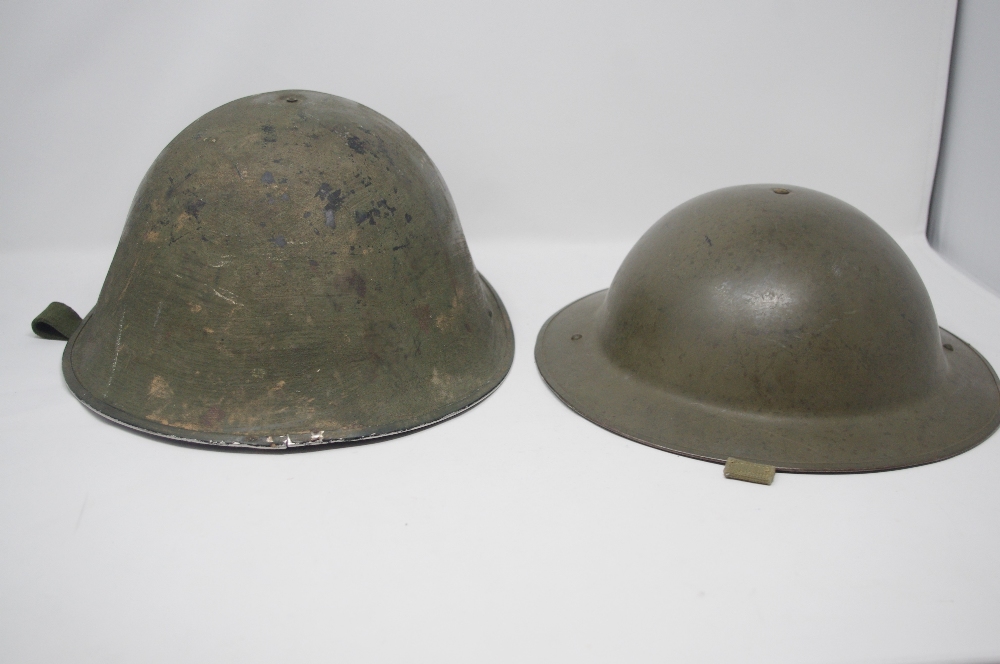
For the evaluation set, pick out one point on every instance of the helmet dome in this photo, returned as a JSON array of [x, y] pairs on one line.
[[292, 271]]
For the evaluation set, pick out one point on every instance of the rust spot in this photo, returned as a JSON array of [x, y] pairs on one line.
[[423, 315], [443, 322], [211, 418], [159, 388], [356, 281]]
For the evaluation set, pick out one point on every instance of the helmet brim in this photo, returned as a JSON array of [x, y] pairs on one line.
[[961, 412], [384, 428]]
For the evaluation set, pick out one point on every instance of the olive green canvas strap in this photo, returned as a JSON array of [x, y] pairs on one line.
[[58, 321]]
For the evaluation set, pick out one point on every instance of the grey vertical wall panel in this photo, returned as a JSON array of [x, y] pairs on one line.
[[964, 223]]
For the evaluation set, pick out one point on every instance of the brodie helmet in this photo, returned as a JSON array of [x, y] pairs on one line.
[[776, 325]]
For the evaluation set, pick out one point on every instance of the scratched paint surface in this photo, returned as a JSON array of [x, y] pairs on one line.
[[292, 266]]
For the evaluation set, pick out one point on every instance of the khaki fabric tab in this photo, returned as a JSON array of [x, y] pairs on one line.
[[748, 471]]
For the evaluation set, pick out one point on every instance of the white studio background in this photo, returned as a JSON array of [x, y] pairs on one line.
[[567, 120], [963, 220], [518, 531]]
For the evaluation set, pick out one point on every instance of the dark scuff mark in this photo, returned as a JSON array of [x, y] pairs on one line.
[[361, 215], [384, 205], [267, 178], [279, 241], [405, 245], [194, 207], [408, 217], [313, 263], [708, 240], [269, 133], [357, 282], [357, 144], [306, 215], [334, 200]]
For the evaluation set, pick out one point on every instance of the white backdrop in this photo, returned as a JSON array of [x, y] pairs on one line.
[[572, 120], [518, 531]]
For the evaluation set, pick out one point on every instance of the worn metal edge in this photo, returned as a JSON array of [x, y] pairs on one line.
[[982, 434], [86, 397]]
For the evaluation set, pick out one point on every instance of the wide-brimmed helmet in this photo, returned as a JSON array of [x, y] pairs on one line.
[[777, 325]]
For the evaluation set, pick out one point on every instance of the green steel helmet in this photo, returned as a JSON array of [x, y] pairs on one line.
[[777, 325], [292, 272]]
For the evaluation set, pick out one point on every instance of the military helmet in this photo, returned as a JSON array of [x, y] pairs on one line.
[[777, 325], [292, 272]]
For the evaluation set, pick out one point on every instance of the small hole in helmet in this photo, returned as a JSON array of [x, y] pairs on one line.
[[780, 190], [948, 347], [576, 337], [291, 100]]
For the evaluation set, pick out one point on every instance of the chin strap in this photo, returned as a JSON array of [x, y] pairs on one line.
[[58, 321], [748, 471]]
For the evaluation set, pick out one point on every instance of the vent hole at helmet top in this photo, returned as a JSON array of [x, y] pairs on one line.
[[780, 190], [291, 100]]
